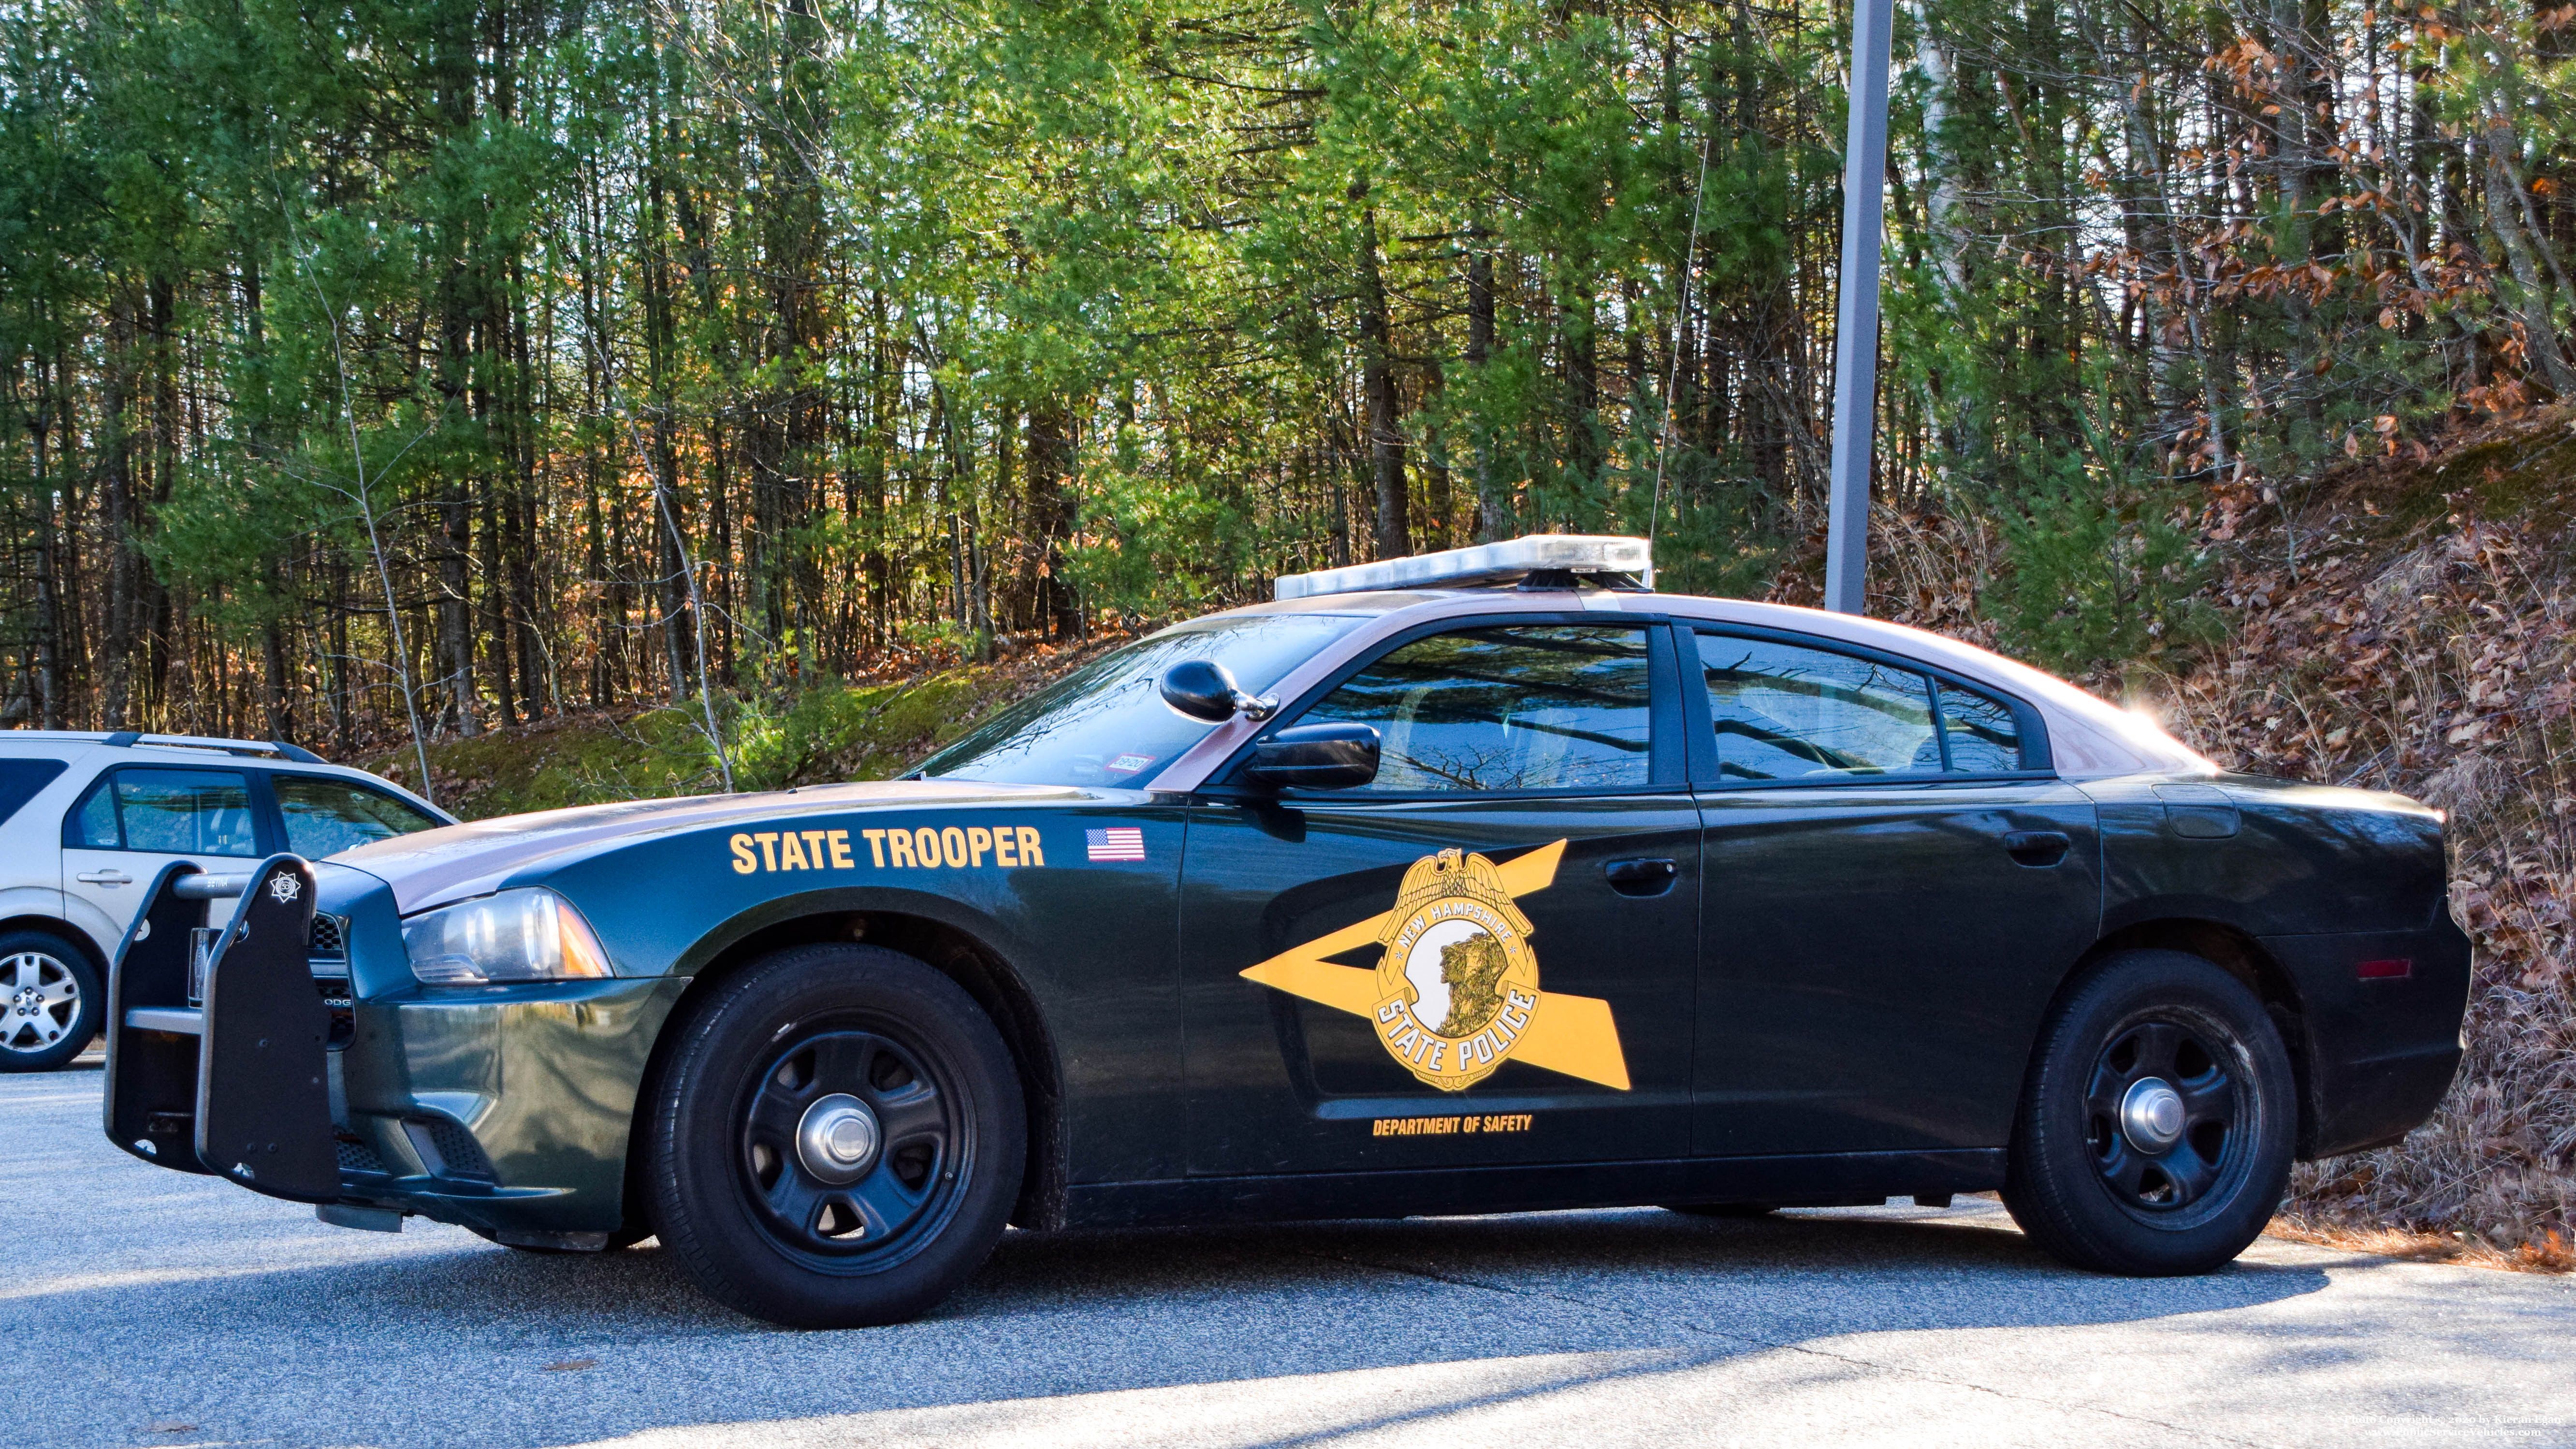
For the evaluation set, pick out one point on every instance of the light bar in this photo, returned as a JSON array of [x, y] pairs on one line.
[[1587, 553]]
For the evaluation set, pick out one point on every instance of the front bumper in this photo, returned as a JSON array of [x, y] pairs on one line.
[[504, 1109]]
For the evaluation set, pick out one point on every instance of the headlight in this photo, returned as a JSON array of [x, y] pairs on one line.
[[530, 934]]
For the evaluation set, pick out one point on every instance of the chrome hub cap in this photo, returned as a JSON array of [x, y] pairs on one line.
[[2162, 1110], [2151, 1115], [39, 1000], [837, 1139]]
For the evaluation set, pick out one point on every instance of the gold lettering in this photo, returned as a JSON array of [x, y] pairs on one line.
[[791, 852], [1029, 852], [840, 840], [978, 840], [952, 844], [876, 846], [925, 843], [814, 848], [1006, 842], [744, 862], [768, 849], [900, 842]]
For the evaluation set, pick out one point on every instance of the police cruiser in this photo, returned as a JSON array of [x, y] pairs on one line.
[[1472, 882]]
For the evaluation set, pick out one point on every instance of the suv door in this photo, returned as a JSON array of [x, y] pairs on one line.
[[1485, 956], [1896, 883], [139, 818]]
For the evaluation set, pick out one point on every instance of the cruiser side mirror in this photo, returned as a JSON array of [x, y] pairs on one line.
[[1337, 756], [1205, 689]]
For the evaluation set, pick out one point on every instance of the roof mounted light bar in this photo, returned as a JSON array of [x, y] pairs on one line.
[[1609, 561]]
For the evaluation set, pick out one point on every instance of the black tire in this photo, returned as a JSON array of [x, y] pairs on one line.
[[51, 1001], [779, 1052], [1723, 1209], [2100, 1174]]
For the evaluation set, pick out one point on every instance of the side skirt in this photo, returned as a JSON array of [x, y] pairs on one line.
[[1819, 1180]]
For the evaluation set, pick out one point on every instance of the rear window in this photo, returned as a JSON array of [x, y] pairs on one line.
[[20, 779]]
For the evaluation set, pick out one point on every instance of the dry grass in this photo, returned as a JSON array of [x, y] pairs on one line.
[[2551, 1254]]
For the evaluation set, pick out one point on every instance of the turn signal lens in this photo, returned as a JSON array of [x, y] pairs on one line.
[[530, 934], [2393, 970]]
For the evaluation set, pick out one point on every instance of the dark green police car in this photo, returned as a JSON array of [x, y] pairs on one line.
[[1474, 882]]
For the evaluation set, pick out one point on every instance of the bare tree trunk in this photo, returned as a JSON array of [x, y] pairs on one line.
[[1493, 511], [1379, 421]]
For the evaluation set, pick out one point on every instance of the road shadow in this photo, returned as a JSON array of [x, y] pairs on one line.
[[451, 1345]]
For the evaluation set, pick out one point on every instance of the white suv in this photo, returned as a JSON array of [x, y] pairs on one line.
[[88, 820]]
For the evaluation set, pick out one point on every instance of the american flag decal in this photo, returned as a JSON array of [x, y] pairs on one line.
[[1118, 842]]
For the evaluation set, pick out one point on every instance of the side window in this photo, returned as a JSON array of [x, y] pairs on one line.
[[326, 816], [1785, 712], [20, 779], [1984, 737], [1533, 707], [94, 824], [169, 812]]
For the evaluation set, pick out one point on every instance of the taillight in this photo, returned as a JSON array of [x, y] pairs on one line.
[[2394, 969]]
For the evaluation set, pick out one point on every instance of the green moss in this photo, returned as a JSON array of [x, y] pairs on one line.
[[827, 733]]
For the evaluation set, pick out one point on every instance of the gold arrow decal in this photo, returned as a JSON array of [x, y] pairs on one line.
[[1574, 1035]]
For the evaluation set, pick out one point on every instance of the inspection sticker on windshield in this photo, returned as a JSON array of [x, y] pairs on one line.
[[1128, 764], [1118, 842]]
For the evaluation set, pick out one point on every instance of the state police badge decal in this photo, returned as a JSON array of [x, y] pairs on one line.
[[1455, 993], [1458, 980]]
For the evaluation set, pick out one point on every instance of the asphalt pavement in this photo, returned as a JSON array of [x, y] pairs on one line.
[[139, 1306]]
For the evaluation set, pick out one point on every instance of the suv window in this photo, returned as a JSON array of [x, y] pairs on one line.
[[1529, 707], [20, 779], [168, 812], [1787, 712], [325, 816]]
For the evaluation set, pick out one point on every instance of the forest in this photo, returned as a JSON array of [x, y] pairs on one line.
[[416, 367]]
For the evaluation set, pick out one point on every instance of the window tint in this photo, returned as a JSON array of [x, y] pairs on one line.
[[21, 779], [1783, 712], [171, 812], [1983, 734], [1547, 707], [326, 816]]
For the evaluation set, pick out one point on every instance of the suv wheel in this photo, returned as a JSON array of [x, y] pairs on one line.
[[51, 1001], [2157, 1127], [836, 1138]]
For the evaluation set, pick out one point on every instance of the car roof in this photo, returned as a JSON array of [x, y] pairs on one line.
[[2088, 737], [131, 747]]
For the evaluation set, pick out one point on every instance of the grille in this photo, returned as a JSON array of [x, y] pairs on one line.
[[330, 937], [358, 1157]]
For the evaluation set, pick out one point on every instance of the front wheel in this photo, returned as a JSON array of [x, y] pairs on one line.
[[51, 1002], [836, 1138], [2157, 1126]]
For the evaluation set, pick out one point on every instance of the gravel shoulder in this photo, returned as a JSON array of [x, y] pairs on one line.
[[150, 1308]]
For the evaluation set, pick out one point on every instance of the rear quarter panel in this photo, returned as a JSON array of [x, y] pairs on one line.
[[2324, 880]]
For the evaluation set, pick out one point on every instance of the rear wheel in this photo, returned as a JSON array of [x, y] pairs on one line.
[[2157, 1127], [51, 1001], [836, 1138]]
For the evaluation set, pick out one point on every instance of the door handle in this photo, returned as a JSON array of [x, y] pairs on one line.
[[1641, 877], [105, 878], [2037, 847]]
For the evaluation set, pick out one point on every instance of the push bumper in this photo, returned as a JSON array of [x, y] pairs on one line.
[[503, 1109]]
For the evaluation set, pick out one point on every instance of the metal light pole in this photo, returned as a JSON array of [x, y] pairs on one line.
[[1856, 333]]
